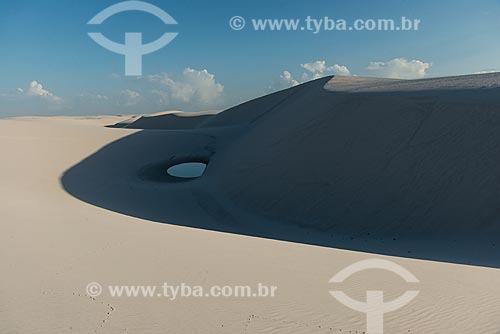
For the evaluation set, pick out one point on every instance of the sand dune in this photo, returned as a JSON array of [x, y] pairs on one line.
[[345, 163], [420, 163], [167, 120], [408, 173]]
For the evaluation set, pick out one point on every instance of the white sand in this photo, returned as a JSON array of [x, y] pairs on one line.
[[53, 244]]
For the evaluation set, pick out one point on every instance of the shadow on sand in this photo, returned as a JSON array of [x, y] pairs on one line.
[[114, 178]]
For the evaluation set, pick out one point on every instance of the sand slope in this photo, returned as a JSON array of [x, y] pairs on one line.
[[359, 165], [422, 162], [76, 208], [52, 245]]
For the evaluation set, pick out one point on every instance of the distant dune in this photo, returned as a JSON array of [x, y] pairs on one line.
[[167, 120]]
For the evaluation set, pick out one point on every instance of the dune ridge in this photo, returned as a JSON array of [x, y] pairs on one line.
[[409, 173]]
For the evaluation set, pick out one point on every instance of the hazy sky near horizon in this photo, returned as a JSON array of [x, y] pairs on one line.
[[50, 66]]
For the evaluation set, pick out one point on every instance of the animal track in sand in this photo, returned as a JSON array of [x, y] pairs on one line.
[[110, 308]]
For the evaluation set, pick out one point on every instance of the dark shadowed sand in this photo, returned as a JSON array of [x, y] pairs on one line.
[[406, 168]]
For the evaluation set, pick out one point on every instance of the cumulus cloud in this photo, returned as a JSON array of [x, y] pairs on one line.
[[94, 98], [399, 68], [188, 90], [287, 79], [313, 70], [319, 69], [130, 97], [195, 87], [36, 89]]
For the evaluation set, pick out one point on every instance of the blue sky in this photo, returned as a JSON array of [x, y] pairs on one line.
[[49, 65]]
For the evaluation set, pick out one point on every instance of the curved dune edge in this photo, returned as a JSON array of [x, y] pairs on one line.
[[52, 245], [165, 120], [410, 173]]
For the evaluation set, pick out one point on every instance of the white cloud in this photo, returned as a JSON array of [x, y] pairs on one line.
[[339, 70], [36, 89], [203, 84], [288, 80], [315, 66], [195, 87], [189, 90], [313, 70], [399, 68], [285, 80], [32, 99], [130, 97], [319, 68], [92, 96], [162, 98]]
